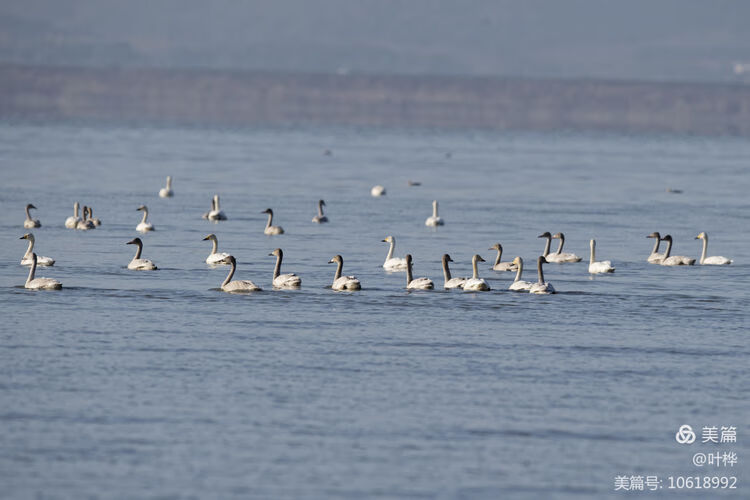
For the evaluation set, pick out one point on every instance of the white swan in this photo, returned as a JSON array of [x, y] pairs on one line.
[[603, 266], [29, 222], [655, 257], [138, 264], [320, 218], [418, 283], [85, 224], [144, 226], [237, 285], [343, 282], [72, 221], [270, 228], [435, 220], [283, 280], [449, 281], [559, 256], [93, 220], [716, 260], [40, 283], [166, 192], [393, 263], [215, 257], [541, 286], [519, 285], [674, 260], [27, 260], [475, 283], [501, 266], [377, 190], [216, 213]]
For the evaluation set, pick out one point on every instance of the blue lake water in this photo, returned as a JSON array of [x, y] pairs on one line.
[[158, 385]]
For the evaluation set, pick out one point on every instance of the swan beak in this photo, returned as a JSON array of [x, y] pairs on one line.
[[270, 255], [330, 261], [481, 259], [204, 239], [22, 237], [541, 236], [384, 241], [31, 206]]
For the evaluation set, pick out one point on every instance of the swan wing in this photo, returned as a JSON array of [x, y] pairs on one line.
[[476, 285], [421, 284], [287, 281], [717, 260], [455, 283], [520, 286]]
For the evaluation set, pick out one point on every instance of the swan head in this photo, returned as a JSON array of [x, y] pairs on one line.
[[667, 238], [135, 241], [322, 202], [30, 205], [541, 260], [447, 258], [27, 236], [267, 211], [655, 234], [142, 207], [558, 236], [592, 243], [478, 258], [545, 234], [336, 259], [169, 179], [387, 239], [277, 252], [517, 261], [211, 236], [232, 260], [496, 246], [701, 236], [408, 259]]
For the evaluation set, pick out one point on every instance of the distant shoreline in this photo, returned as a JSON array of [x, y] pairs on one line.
[[236, 98]]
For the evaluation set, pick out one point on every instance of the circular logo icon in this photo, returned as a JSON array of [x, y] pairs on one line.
[[685, 435]]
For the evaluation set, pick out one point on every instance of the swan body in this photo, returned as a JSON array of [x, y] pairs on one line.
[[434, 220], [283, 280], [320, 218], [603, 266], [377, 190], [96, 222], [418, 283], [451, 282], [270, 228], [393, 263], [72, 221], [340, 282], [144, 226], [40, 283], [166, 192], [85, 224], [541, 286], [29, 222], [216, 213], [237, 286], [138, 264], [559, 256], [475, 283], [518, 284], [216, 257], [28, 260], [674, 260], [501, 266], [655, 257], [716, 260]]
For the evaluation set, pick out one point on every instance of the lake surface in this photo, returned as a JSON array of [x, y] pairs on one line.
[[158, 385]]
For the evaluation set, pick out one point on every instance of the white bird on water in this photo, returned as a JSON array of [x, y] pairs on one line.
[[216, 213], [40, 283], [475, 283], [283, 280], [237, 286], [85, 224], [138, 264], [541, 286], [215, 257], [518, 284], [416, 283], [320, 218], [451, 282], [434, 220], [715, 260], [166, 192], [270, 228], [501, 266], [340, 282], [72, 221], [29, 222], [393, 263], [27, 260], [377, 190], [655, 257], [603, 266], [144, 226], [674, 260]]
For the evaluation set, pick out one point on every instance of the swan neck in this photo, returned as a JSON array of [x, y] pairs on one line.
[[320, 209], [169, 182], [75, 210], [270, 218], [474, 268], [560, 246], [277, 268], [446, 270], [546, 246], [593, 252], [145, 215], [519, 271], [499, 255], [339, 267], [408, 273], [656, 245], [215, 245], [216, 203], [668, 250], [28, 215], [390, 250], [31, 271], [30, 248], [138, 250], [434, 209], [231, 273], [540, 272], [705, 248]]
